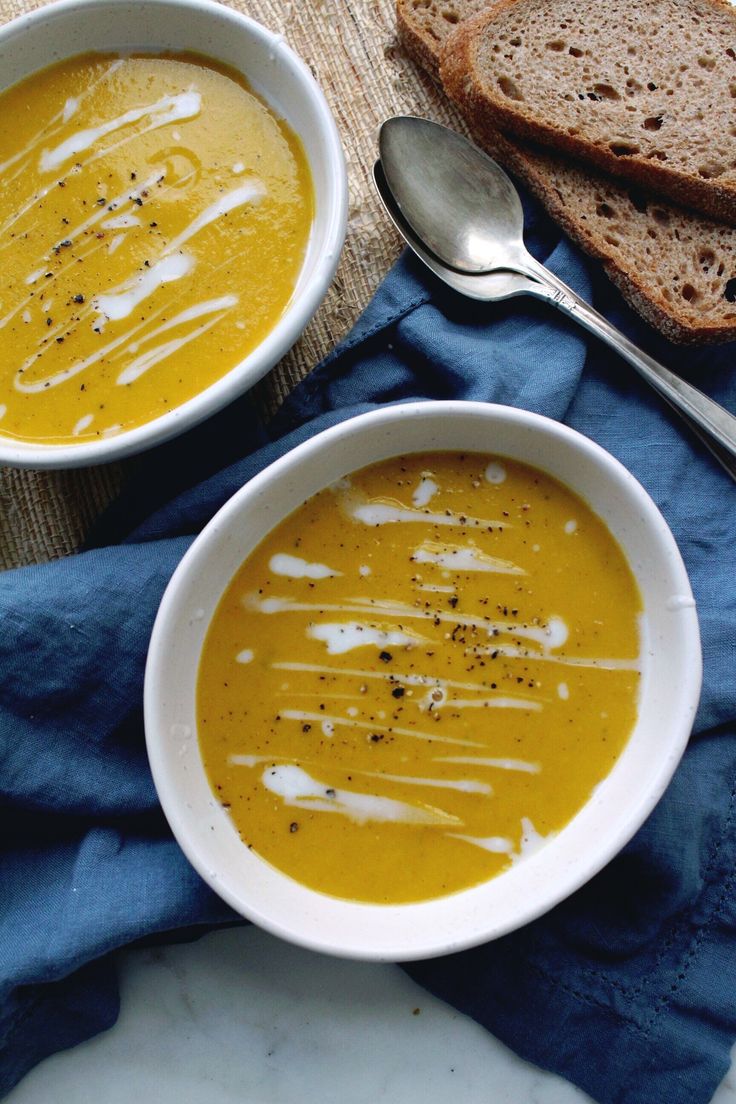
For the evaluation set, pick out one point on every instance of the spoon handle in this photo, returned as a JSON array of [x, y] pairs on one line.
[[713, 424]]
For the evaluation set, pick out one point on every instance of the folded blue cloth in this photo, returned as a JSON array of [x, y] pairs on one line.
[[628, 988]]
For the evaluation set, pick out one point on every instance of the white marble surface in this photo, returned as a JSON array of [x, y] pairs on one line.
[[243, 1018]]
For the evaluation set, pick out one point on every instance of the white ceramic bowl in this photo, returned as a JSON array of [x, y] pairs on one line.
[[619, 805], [71, 27]]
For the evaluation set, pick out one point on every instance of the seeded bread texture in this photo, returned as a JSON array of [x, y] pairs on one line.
[[644, 89], [677, 269]]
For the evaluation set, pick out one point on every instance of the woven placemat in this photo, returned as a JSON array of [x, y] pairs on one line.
[[352, 50]]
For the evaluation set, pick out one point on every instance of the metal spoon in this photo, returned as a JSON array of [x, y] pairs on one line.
[[465, 215], [492, 287]]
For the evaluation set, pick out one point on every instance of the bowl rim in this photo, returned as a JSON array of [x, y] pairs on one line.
[[298, 311], [195, 561]]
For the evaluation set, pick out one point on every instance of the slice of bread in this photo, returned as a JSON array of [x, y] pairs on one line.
[[643, 89], [677, 269]]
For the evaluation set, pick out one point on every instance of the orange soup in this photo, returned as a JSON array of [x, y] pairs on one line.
[[154, 217], [419, 675]]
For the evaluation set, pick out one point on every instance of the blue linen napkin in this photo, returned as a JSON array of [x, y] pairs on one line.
[[627, 989]]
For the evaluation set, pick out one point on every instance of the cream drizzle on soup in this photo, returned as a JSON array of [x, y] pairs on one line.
[[154, 216], [420, 676]]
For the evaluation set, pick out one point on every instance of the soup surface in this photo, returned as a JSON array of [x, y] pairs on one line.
[[419, 675], [154, 216]]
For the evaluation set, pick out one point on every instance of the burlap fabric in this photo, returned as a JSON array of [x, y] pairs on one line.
[[352, 50]]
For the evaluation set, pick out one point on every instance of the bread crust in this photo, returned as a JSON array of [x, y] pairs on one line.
[[419, 46], [714, 197], [417, 34]]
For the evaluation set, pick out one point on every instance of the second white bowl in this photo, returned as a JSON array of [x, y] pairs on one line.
[[618, 806]]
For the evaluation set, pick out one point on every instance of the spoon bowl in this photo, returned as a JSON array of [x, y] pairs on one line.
[[490, 287], [459, 202]]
